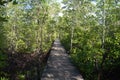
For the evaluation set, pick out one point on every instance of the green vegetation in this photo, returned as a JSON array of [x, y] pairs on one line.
[[26, 34], [92, 29], [88, 29]]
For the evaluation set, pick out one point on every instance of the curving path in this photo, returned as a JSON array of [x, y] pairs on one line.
[[59, 66]]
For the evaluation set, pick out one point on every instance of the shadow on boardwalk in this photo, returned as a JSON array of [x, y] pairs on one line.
[[59, 66]]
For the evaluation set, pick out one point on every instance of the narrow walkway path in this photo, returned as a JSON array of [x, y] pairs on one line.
[[59, 66]]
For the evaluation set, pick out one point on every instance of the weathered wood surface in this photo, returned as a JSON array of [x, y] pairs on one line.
[[59, 66]]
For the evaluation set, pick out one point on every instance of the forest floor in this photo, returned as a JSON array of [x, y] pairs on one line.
[[24, 66], [59, 66]]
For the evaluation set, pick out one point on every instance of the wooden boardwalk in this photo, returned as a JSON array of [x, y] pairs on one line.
[[59, 66]]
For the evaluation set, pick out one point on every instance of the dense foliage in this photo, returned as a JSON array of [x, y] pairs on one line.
[[88, 29], [26, 35], [92, 28]]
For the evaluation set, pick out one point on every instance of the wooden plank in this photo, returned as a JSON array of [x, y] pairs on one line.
[[59, 66]]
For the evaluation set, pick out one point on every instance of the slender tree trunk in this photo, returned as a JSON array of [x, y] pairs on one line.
[[41, 39], [103, 43], [72, 31]]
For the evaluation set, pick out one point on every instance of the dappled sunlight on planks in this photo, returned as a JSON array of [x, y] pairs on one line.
[[59, 66], [58, 48]]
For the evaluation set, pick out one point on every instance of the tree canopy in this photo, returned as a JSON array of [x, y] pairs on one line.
[[88, 29]]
